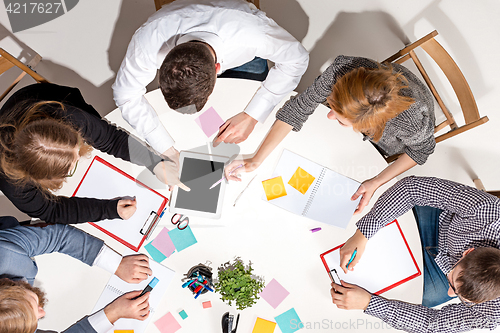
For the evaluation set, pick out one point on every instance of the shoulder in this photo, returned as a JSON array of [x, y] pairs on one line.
[[344, 64]]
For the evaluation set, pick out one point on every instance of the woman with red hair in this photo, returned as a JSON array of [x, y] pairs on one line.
[[387, 103]]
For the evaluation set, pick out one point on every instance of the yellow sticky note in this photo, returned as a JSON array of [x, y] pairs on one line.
[[274, 188], [263, 326], [124, 331], [301, 180]]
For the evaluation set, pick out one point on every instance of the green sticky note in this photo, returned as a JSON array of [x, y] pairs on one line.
[[182, 238], [183, 314], [154, 252], [289, 321]]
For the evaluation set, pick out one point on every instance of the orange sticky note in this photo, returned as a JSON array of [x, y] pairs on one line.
[[207, 304], [301, 180], [274, 188], [124, 331], [263, 326]]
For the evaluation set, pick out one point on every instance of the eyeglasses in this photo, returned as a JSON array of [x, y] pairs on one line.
[[467, 304], [74, 170]]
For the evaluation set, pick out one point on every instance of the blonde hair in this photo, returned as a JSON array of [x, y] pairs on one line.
[[37, 148], [16, 312], [368, 98]]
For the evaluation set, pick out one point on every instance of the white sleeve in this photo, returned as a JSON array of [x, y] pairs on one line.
[[136, 72], [99, 322], [107, 259], [291, 60]]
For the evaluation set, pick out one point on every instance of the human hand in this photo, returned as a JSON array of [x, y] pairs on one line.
[[236, 129], [168, 170], [349, 296], [356, 242], [127, 307], [134, 268], [231, 170], [126, 208], [366, 189]]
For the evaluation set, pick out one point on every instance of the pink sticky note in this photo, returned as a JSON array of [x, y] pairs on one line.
[[207, 304], [274, 293], [167, 324], [163, 243], [209, 121]]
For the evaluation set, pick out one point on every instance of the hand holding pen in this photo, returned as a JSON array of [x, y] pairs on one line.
[[246, 166], [352, 250]]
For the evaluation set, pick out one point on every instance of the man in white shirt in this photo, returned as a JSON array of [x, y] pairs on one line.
[[229, 33], [21, 305]]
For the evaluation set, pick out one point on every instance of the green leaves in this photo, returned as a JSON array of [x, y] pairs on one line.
[[236, 283]]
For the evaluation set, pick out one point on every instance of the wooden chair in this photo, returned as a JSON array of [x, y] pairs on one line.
[[7, 61], [456, 79], [480, 186], [160, 3]]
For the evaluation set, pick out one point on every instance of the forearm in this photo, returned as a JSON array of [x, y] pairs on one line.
[[417, 318], [276, 134], [402, 164], [60, 209]]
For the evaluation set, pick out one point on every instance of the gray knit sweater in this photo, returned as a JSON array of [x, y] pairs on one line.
[[410, 132]]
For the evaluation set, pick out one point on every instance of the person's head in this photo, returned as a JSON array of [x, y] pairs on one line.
[[367, 98], [476, 277], [187, 75], [39, 149], [21, 305]]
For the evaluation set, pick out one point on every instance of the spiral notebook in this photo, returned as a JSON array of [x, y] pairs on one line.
[[314, 191], [117, 287]]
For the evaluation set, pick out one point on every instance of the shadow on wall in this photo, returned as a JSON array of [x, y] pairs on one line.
[[132, 15], [293, 19], [374, 35]]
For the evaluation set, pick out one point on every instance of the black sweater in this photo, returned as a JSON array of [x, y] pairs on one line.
[[96, 132]]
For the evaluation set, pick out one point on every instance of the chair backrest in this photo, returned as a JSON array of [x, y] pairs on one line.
[[160, 3], [454, 76], [7, 61], [479, 185]]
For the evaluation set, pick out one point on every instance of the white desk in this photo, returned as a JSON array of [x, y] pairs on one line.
[[278, 243]]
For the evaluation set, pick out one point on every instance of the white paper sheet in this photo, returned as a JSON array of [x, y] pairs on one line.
[[385, 261], [116, 287], [103, 182]]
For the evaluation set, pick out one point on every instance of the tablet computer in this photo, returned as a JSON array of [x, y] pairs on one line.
[[199, 172]]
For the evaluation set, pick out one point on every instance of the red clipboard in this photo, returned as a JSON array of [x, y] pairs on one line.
[[408, 255], [149, 217]]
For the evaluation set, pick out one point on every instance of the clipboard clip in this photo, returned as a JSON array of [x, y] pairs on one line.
[[150, 224]]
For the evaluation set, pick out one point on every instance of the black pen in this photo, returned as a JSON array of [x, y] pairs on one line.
[[149, 287]]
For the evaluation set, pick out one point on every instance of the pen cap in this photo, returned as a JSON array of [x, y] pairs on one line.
[[153, 282]]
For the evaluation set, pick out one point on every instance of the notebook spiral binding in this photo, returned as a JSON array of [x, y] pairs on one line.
[[115, 290], [313, 192]]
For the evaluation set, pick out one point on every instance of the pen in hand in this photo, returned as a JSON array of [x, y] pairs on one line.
[[352, 258], [224, 177]]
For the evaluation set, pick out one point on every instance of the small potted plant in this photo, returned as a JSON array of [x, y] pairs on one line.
[[236, 283]]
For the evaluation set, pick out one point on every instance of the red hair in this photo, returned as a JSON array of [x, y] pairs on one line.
[[368, 98]]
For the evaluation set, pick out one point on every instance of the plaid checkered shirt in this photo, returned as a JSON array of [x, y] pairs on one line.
[[470, 219]]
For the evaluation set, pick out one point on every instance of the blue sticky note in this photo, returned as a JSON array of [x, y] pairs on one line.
[[289, 321], [182, 238], [183, 314], [155, 253]]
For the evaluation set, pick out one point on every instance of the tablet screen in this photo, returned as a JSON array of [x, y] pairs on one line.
[[199, 175]]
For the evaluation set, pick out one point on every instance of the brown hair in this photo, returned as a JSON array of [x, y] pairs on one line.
[[479, 280], [16, 312], [368, 98], [37, 148], [187, 75]]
